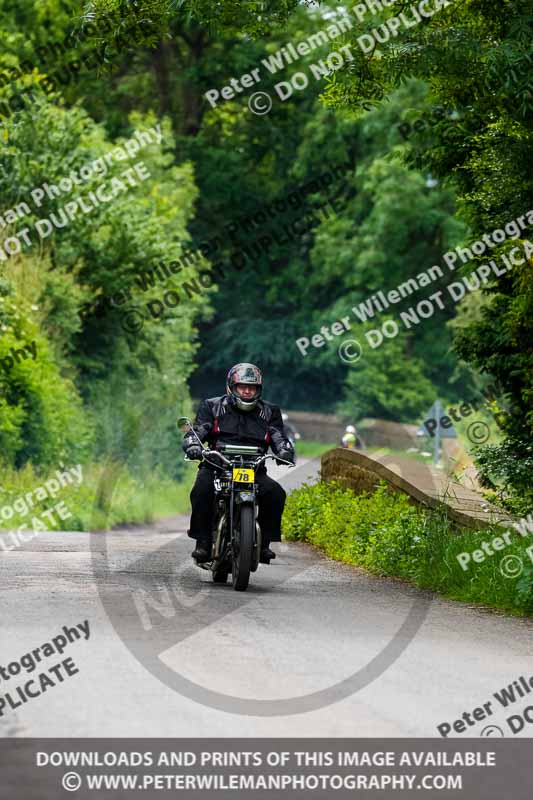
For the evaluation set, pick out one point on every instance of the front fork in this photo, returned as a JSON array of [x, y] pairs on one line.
[[236, 499], [241, 498]]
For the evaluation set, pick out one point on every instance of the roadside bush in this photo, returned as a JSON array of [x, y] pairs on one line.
[[41, 415], [386, 534]]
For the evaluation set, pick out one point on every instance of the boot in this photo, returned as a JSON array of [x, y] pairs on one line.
[[266, 554]]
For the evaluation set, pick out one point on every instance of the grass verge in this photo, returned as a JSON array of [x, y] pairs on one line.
[[308, 449], [311, 449], [107, 496], [384, 533]]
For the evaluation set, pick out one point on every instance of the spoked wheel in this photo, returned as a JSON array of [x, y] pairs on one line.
[[242, 560]]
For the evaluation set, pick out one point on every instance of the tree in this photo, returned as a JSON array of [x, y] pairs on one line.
[[475, 57], [384, 383], [98, 252]]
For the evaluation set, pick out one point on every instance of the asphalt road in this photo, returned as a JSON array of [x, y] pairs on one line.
[[172, 654]]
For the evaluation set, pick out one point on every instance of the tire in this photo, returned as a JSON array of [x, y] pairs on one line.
[[220, 575], [242, 564]]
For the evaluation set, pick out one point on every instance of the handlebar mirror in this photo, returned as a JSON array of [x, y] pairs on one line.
[[186, 426]]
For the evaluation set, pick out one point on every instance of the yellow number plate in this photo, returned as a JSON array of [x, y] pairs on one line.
[[243, 475]]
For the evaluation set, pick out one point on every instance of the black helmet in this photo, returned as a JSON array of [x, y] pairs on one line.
[[244, 373]]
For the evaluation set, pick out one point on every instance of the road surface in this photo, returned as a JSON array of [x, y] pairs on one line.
[[305, 624]]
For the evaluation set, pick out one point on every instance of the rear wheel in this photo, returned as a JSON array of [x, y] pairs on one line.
[[242, 560]]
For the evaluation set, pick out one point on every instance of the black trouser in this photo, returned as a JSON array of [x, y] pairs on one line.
[[271, 503]]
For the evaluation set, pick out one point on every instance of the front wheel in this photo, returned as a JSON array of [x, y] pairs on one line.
[[242, 560]]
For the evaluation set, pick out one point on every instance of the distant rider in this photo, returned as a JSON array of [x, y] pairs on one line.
[[238, 417], [350, 440]]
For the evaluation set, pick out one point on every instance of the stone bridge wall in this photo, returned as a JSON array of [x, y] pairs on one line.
[[362, 474]]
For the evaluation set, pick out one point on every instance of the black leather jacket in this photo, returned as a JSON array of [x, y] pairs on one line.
[[218, 420]]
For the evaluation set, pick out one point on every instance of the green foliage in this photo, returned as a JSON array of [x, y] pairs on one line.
[[386, 225], [222, 16], [476, 59], [508, 467], [524, 589], [384, 533], [310, 449], [118, 394], [380, 531], [119, 377], [499, 341], [369, 391], [41, 416], [386, 220], [135, 499], [243, 162]]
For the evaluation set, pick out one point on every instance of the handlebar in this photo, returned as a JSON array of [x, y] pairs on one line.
[[185, 424], [216, 453], [223, 458]]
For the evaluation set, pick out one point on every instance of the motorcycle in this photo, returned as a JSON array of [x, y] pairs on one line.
[[236, 540]]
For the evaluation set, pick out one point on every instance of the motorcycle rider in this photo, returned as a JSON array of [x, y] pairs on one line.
[[239, 417], [350, 439]]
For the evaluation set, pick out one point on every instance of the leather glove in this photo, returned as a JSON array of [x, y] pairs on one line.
[[194, 452], [288, 455]]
